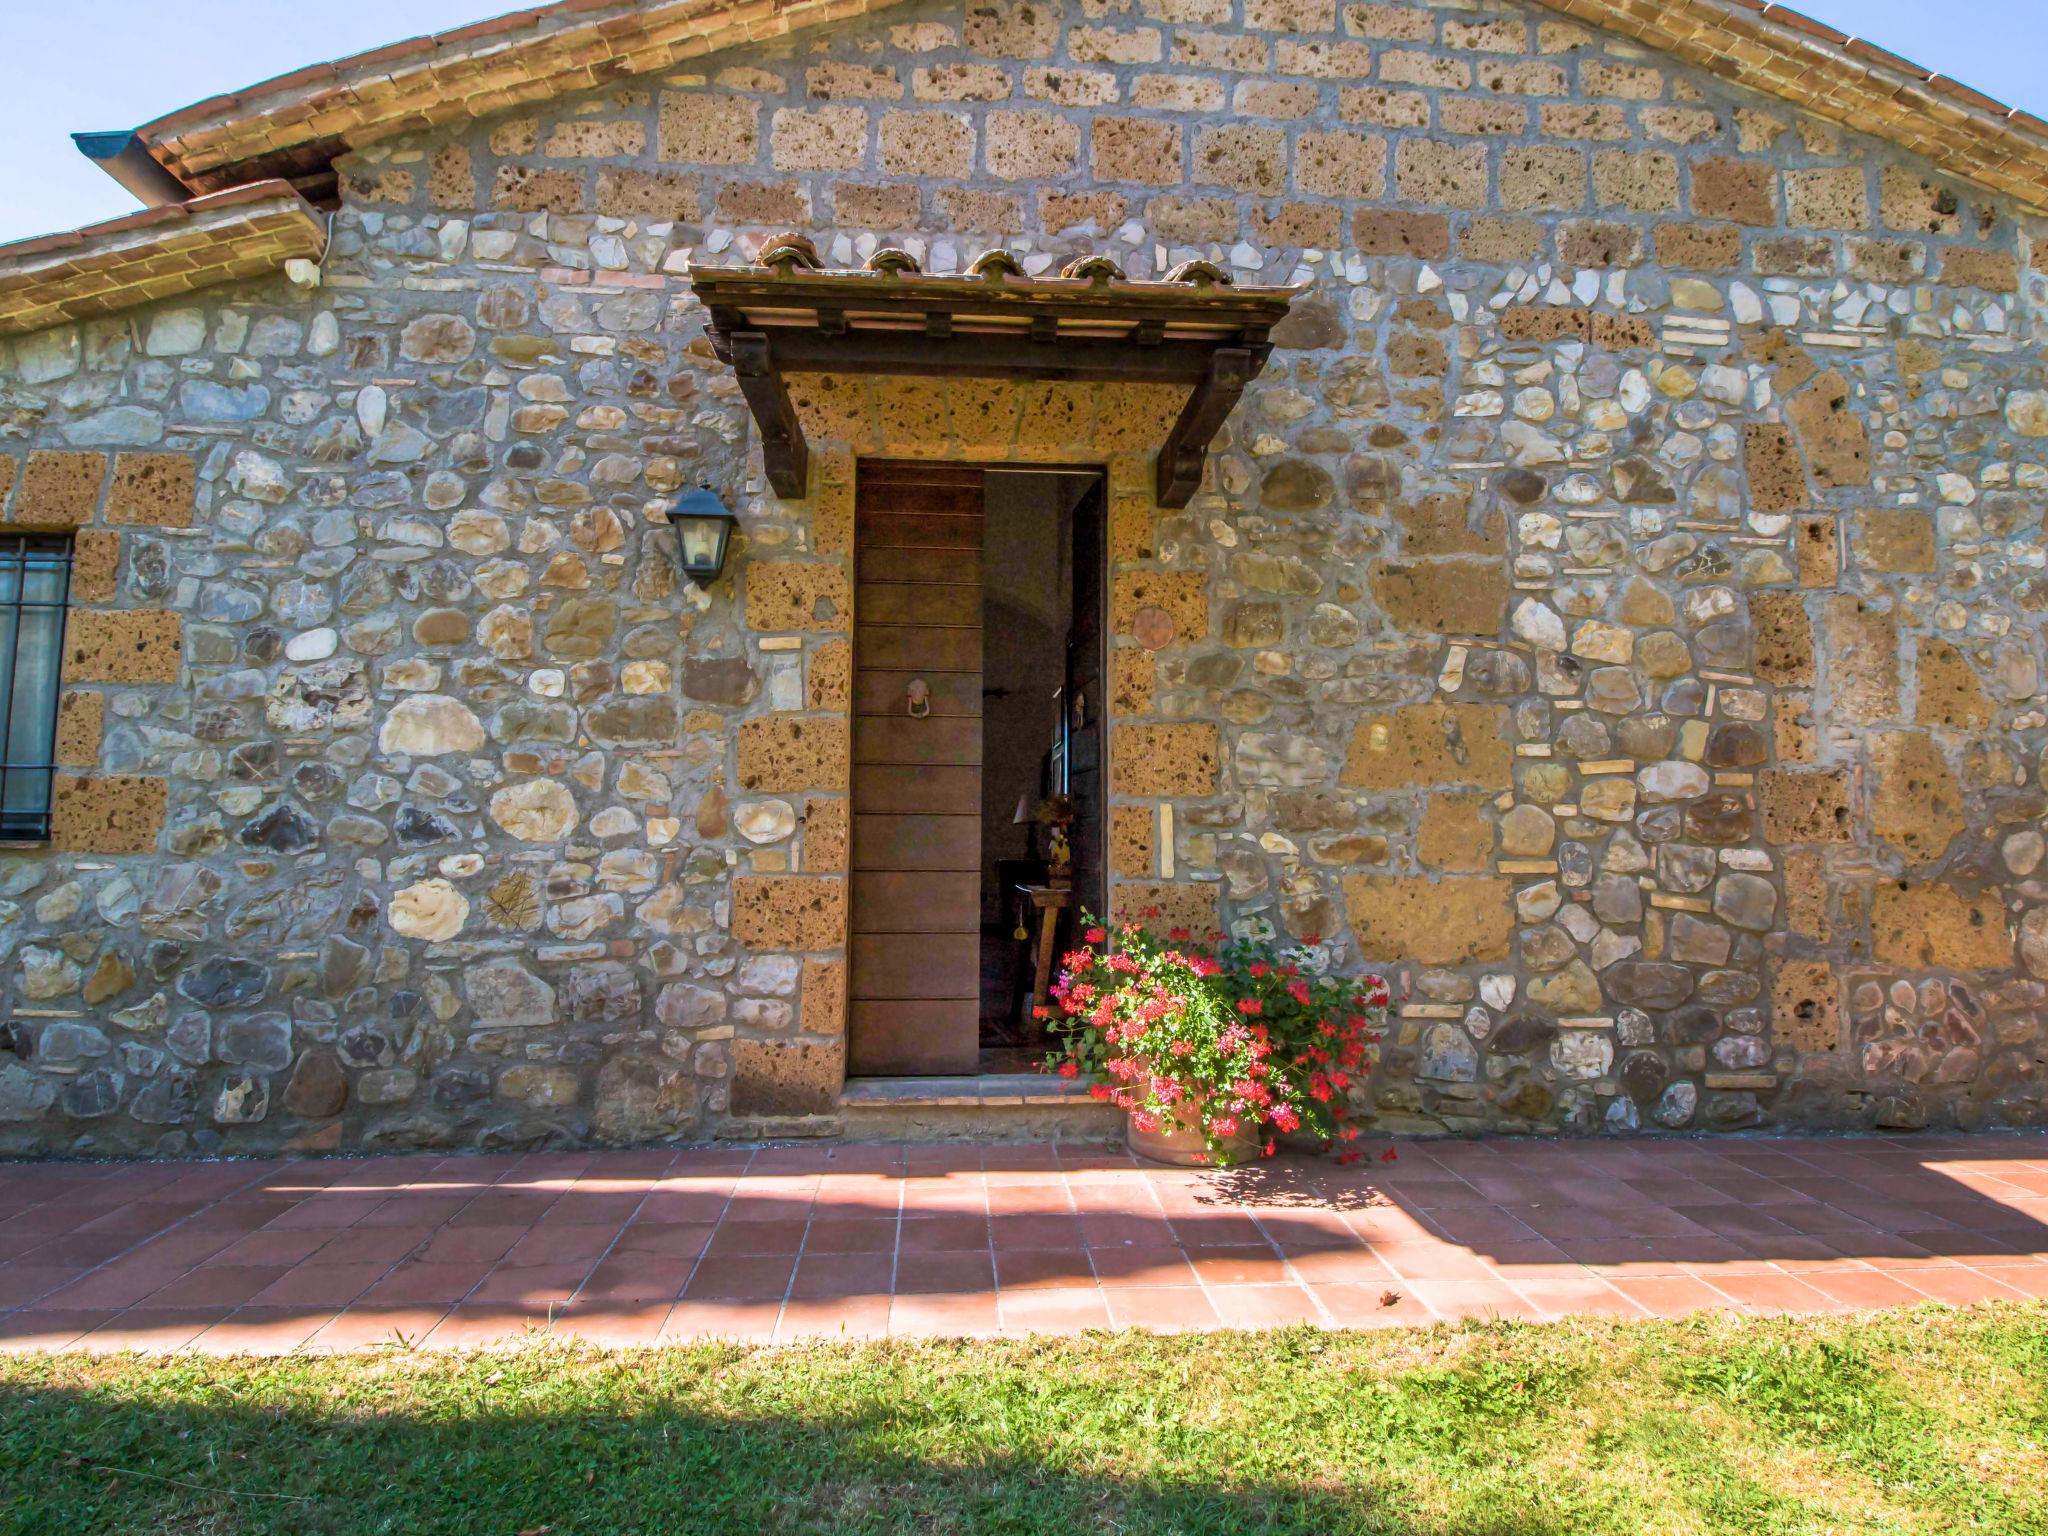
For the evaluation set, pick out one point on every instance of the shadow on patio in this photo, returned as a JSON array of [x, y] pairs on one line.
[[860, 1241]]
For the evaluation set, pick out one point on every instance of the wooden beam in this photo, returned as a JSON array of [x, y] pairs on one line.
[[1075, 359], [783, 451], [1187, 445]]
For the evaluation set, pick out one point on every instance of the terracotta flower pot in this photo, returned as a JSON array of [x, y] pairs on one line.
[[1178, 1141]]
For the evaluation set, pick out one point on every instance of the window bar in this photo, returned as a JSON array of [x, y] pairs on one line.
[[23, 559]]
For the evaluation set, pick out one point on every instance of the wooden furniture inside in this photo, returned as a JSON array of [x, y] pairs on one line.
[[1047, 903], [914, 988]]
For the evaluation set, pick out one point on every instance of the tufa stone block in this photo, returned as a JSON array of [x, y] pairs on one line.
[[787, 1077], [95, 565], [1445, 597], [529, 189], [1430, 744], [1777, 480], [1806, 1010], [1030, 146], [1784, 638], [792, 912], [700, 128], [823, 998], [1166, 907], [1893, 540], [1181, 596], [155, 489], [1741, 191], [1947, 690], [1455, 834], [787, 595], [1862, 665], [1452, 921], [1818, 550], [106, 815], [830, 685], [58, 489], [81, 721], [1132, 854], [1837, 446], [1165, 761], [127, 647], [1916, 804], [778, 754], [1938, 928], [1804, 806], [825, 836], [625, 193]]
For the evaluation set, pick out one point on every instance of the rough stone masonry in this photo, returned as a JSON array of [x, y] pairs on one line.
[[1616, 611]]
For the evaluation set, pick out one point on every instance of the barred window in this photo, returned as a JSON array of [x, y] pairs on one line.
[[35, 586]]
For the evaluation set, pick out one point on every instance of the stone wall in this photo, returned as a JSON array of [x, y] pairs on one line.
[[1615, 610]]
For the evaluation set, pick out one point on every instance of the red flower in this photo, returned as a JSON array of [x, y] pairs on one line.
[[1068, 1069], [1095, 935], [1250, 1007], [1389, 1155]]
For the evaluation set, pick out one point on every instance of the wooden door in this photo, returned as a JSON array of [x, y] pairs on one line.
[[914, 989]]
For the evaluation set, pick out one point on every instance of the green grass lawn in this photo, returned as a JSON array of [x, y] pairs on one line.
[[1924, 1421]]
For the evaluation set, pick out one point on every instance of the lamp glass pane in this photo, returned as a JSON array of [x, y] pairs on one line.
[[701, 538]]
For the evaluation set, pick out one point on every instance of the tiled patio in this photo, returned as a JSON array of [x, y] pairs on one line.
[[860, 1241]]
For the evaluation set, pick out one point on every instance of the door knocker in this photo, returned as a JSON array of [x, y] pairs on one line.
[[917, 698]]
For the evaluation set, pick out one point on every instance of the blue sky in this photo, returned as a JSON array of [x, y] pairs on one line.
[[115, 63]]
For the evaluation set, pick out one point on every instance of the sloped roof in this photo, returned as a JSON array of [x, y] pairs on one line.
[[296, 125], [157, 253]]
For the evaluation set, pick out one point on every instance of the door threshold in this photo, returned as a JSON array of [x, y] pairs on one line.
[[1009, 1090]]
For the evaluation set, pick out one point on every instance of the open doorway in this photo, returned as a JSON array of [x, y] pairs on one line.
[[978, 763]]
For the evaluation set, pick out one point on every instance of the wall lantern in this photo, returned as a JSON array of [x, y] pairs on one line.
[[703, 533]]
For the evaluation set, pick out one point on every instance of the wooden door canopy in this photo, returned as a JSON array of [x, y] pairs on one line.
[[787, 314]]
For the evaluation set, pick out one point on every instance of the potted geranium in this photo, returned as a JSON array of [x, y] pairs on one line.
[[1213, 1053]]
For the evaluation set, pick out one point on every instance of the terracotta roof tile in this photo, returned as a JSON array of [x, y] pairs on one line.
[[107, 267]]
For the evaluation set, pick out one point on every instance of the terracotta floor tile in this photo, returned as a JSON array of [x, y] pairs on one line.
[[530, 1285], [639, 1277], [558, 1244], [151, 1330], [1141, 1268], [481, 1326], [943, 1316], [1778, 1292], [829, 1319], [740, 1279], [1591, 1297], [319, 1285], [929, 1274], [1041, 1269], [254, 1330], [1263, 1306], [32, 1331], [1430, 1261], [118, 1285], [22, 1283], [824, 1275], [1867, 1288], [756, 1239], [1175, 1309], [1455, 1300], [225, 1287], [1959, 1284], [424, 1283], [855, 1234], [1240, 1266], [613, 1325], [1370, 1306], [942, 1234], [1670, 1295], [1055, 1312]]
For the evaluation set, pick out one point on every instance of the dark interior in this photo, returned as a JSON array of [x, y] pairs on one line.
[[1041, 710]]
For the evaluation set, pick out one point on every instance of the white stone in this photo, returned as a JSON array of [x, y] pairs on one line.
[[372, 404], [175, 332], [1673, 780], [1497, 989], [428, 909], [428, 726], [311, 645], [1539, 625], [765, 821], [537, 811]]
